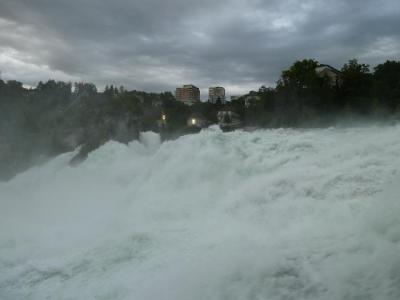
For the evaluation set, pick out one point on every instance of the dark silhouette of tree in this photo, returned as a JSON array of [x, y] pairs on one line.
[[51, 118], [357, 79], [387, 83], [301, 75], [84, 89]]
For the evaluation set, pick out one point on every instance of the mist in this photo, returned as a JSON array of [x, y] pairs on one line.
[[268, 214]]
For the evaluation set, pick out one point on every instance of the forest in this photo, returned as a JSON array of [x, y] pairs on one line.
[[56, 117]]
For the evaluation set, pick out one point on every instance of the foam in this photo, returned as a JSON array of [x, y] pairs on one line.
[[271, 214]]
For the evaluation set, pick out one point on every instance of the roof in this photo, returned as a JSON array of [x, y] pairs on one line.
[[331, 68], [190, 86]]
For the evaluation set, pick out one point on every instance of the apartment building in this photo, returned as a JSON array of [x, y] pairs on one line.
[[188, 94], [216, 95]]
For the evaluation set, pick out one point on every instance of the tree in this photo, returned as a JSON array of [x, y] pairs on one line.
[[299, 89], [300, 75], [16, 85], [357, 79], [53, 89], [11, 88], [267, 98], [84, 89], [387, 83]]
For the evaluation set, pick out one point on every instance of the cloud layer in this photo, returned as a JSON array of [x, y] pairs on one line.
[[156, 45]]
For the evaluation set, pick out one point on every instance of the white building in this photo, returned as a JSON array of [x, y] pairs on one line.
[[216, 95], [334, 75]]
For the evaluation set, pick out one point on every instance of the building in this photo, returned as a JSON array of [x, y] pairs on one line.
[[228, 119], [333, 74], [162, 122], [216, 95], [188, 94], [250, 99], [196, 120]]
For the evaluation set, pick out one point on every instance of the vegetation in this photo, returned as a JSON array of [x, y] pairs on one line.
[[56, 116], [302, 98]]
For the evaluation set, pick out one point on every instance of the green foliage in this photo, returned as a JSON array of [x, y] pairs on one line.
[[83, 89], [387, 83], [301, 75], [238, 106], [357, 79], [124, 103], [176, 113], [51, 118], [302, 98]]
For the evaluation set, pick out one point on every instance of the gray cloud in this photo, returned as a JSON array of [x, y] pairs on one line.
[[156, 45]]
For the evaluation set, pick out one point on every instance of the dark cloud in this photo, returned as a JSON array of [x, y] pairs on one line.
[[156, 45]]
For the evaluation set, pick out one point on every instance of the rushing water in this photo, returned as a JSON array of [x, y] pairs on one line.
[[275, 214]]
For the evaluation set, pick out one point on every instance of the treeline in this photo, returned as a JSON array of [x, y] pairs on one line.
[[304, 98], [56, 117]]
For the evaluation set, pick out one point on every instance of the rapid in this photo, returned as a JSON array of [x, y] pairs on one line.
[[270, 214]]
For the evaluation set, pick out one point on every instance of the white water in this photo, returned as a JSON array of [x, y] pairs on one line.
[[277, 214]]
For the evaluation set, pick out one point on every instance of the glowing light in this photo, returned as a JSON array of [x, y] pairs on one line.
[[163, 117], [194, 121]]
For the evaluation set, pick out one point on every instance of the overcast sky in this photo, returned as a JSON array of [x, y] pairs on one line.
[[157, 45]]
